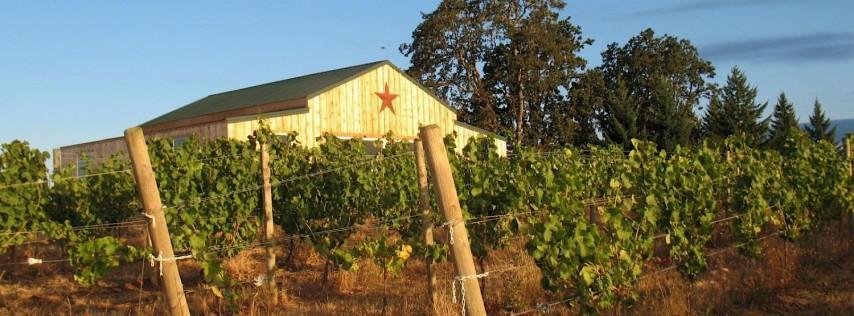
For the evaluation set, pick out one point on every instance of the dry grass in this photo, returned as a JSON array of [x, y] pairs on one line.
[[812, 277]]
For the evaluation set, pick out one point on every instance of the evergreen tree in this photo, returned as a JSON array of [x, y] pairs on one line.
[[820, 127], [651, 86], [733, 110], [783, 122]]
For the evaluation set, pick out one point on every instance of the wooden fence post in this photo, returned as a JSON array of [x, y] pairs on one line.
[[273, 293], [150, 196], [426, 221], [446, 191], [848, 156], [848, 160]]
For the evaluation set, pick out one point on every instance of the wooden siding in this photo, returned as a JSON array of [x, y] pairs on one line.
[[99, 151], [207, 131], [352, 109], [465, 132], [298, 120]]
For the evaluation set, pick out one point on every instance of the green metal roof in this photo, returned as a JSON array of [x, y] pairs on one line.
[[288, 89]]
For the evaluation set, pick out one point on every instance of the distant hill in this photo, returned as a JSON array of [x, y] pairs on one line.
[[843, 127]]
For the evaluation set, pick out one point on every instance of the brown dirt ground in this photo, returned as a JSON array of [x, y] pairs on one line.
[[814, 276]]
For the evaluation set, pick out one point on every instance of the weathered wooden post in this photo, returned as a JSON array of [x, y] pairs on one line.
[[449, 203], [267, 195], [268, 223], [850, 162], [848, 156], [426, 221], [150, 196]]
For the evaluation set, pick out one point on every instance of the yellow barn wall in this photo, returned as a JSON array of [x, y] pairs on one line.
[[297, 120], [352, 109], [464, 134]]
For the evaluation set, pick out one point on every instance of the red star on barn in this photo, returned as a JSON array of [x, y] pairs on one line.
[[386, 97]]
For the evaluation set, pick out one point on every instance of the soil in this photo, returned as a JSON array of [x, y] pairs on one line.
[[813, 276]]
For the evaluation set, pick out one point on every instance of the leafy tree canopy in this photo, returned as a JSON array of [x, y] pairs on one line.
[[652, 85], [505, 65]]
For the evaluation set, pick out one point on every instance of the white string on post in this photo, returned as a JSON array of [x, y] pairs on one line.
[[160, 260]]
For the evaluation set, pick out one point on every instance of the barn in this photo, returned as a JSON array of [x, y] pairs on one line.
[[364, 101]]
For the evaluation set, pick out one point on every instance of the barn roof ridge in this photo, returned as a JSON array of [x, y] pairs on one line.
[[276, 91], [370, 64]]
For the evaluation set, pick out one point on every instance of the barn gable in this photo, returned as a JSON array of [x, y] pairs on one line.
[[379, 100]]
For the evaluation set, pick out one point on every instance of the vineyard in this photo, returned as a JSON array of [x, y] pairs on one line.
[[591, 219]]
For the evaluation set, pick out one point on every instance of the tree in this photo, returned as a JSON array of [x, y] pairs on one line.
[[820, 127], [652, 85], [734, 110], [585, 94], [783, 122], [505, 65]]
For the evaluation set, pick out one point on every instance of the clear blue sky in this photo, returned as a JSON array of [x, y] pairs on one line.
[[85, 70]]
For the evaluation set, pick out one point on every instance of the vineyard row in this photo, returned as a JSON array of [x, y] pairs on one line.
[[590, 216]]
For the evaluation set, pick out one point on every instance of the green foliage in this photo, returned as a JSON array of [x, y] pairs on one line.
[[783, 122], [94, 257], [21, 204], [346, 188], [209, 189], [505, 65], [820, 126], [651, 87], [597, 253], [109, 197], [487, 186], [389, 256], [733, 110], [591, 215]]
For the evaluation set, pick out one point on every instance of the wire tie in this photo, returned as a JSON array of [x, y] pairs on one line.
[[450, 224], [151, 217], [259, 280], [32, 261], [461, 279], [160, 259]]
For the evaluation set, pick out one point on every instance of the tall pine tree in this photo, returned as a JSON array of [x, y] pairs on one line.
[[783, 122], [734, 110], [820, 127]]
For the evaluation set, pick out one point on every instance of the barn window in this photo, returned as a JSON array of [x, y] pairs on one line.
[[178, 141], [82, 164], [372, 147], [283, 137]]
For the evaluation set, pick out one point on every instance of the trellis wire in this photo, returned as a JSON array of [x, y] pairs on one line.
[[713, 253], [86, 227], [375, 226], [16, 185], [184, 203]]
